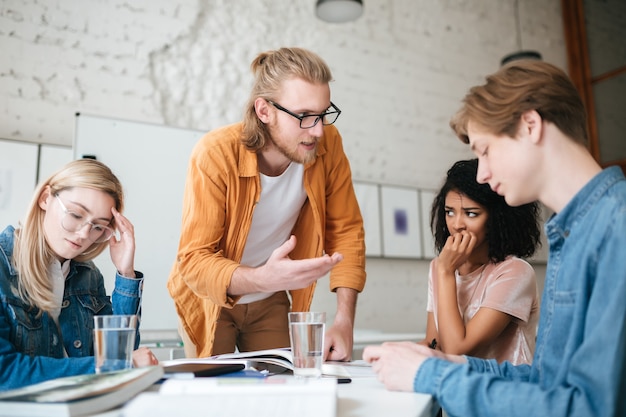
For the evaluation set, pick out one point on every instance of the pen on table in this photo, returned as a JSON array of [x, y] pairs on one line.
[[433, 344]]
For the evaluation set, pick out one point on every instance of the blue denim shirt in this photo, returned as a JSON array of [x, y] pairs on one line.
[[31, 347], [579, 354]]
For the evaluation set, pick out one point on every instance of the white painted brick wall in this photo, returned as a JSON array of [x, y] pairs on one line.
[[400, 73]]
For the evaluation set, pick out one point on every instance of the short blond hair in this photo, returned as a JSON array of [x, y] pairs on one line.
[[516, 88]]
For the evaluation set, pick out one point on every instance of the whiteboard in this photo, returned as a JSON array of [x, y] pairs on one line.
[[151, 162], [18, 177], [51, 159]]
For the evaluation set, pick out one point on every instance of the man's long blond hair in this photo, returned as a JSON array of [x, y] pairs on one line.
[[31, 253], [270, 69]]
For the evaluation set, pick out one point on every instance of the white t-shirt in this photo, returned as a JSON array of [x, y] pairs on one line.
[[57, 273], [273, 219]]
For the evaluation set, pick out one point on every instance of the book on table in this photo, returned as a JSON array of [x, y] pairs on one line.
[[271, 361], [78, 395], [198, 369], [277, 396]]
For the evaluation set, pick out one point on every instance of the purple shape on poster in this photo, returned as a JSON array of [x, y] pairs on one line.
[[400, 222]]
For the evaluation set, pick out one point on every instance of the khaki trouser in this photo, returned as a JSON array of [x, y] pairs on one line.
[[254, 326], [190, 348]]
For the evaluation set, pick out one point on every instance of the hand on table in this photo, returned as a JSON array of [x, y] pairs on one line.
[[396, 363]]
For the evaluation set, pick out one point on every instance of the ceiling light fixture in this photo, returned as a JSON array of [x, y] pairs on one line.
[[521, 53], [339, 11]]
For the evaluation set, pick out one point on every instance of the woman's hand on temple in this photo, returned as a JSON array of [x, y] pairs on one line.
[[123, 250]]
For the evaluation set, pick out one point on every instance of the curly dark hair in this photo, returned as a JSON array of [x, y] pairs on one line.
[[510, 230]]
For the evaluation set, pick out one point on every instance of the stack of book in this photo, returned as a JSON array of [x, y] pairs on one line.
[[277, 396], [78, 395]]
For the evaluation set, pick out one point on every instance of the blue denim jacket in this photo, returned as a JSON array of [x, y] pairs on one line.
[[579, 353], [31, 348]]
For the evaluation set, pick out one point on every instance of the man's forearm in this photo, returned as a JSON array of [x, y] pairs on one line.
[[346, 306]]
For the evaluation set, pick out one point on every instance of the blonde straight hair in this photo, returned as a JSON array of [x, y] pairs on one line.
[[270, 69], [31, 254]]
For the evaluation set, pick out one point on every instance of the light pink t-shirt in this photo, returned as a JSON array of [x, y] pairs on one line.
[[510, 287]]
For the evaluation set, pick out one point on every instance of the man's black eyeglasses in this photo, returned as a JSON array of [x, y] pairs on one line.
[[307, 121]]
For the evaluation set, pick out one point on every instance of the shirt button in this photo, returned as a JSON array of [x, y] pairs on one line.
[[77, 344], [65, 303]]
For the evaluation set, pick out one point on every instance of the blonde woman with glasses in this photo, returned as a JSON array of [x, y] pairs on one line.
[[50, 289]]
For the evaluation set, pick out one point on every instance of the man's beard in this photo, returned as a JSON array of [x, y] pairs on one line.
[[294, 156]]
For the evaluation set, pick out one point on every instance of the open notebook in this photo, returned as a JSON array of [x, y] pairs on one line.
[[271, 361], [238, 397]]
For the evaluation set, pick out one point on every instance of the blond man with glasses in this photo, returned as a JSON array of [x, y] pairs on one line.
[[269, 208]]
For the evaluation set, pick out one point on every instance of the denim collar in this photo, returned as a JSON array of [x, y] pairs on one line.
[[7, 237], [561, 223]]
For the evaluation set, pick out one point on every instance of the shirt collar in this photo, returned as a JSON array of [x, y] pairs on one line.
[[583, 201]]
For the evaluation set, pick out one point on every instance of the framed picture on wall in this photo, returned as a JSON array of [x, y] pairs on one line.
[[428, 241], [369, 202], [400, 222]]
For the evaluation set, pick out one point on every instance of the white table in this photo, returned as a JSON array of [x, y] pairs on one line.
[[366, 397]]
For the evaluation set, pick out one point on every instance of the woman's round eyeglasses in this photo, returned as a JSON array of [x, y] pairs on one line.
[[74, 222]]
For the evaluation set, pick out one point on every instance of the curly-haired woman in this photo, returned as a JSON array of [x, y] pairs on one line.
[[482, 298]]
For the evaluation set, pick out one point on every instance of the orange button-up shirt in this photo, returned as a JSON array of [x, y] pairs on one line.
[[221, 191]]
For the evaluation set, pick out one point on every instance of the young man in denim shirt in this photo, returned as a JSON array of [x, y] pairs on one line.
[[527, 126]]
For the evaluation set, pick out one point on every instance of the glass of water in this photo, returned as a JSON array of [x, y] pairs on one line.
[[114, 342], [306, 330]]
